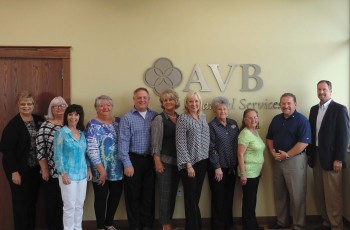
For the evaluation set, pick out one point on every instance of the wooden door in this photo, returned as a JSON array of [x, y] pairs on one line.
[[45, 71]]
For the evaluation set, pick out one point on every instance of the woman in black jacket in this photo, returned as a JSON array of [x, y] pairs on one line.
[[20, 163]]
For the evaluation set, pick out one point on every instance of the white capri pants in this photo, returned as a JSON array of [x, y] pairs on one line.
[[73, 196]]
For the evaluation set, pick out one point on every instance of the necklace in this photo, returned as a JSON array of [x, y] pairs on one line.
[[170, 115]]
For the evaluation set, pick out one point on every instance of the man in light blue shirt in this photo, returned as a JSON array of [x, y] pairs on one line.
[[135, 154]]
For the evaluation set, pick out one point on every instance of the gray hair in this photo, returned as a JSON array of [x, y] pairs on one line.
[[56, 101], [219, 101], [103, 97]]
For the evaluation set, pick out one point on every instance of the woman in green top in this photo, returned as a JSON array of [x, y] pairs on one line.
[[250, 158]]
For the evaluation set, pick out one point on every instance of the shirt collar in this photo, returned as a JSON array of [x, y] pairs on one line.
[[325, 105], [290, 117], [133, 110], [228, 121]]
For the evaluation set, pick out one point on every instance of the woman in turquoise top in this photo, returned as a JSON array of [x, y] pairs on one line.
[[102, 137], [72, 166], [250, 158]]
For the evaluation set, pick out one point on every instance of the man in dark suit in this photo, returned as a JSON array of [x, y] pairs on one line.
[[330, 138]]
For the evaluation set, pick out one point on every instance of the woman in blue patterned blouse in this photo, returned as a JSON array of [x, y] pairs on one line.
[[192, 147], [222, 164], [102, 135], [72, 166]]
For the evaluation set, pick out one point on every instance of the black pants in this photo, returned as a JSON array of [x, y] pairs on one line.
[[54, 204], [107, 199], [250, 191], [222, 199], [24, 198], [139, 192], [192, 194]]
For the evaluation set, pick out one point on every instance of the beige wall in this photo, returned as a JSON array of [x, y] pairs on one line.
[[296, 43]]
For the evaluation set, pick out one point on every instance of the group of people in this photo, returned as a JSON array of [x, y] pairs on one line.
[[65, 155], [134, 151], [320, 142]]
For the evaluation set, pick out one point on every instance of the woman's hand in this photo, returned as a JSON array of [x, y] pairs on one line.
[[129, 171], [158, 164], [218, 174], [16, 178], [102, 178], [45, 174], [243, 180], [190, 171], [89, 174], [103, 174], [65, 179]]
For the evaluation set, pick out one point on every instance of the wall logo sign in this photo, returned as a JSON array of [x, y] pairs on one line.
[[163, 75]]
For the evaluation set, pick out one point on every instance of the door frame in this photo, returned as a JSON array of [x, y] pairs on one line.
[[33, 52], [55, 52]]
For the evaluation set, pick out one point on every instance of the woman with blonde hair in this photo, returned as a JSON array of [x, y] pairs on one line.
[[20, 163], [192, 146], [164, 155]]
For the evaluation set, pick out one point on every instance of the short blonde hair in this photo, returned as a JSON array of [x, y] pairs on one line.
[[171, 94], [25, 94], [56, 101], [193, 95]]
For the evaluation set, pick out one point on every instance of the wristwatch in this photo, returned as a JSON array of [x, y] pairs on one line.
[[287, 156]]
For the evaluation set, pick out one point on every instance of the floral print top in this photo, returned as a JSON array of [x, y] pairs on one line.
[[102, 148]]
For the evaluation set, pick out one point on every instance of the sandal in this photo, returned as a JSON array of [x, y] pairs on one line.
[[110, 228]]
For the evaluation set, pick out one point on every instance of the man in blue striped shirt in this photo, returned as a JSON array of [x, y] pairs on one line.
[[134, 152]]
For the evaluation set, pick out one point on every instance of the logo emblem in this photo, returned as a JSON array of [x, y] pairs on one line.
[[163, 75]]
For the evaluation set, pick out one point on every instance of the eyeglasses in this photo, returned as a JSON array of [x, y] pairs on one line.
[[26, 104], [63, 106]]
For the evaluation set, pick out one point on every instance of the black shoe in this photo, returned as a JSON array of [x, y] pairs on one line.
[[232, 228], [323, 227], [274, 225]]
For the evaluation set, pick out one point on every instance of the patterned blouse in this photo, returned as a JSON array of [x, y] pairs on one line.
[[32, 129], [70, 154], [44, 145], [192, 140], [103, 149], [223, 144]]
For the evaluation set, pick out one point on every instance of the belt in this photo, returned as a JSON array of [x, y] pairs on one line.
[[298, 154], [143, 155]]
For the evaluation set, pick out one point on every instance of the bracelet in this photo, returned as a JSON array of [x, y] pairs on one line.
[[242, 173]]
